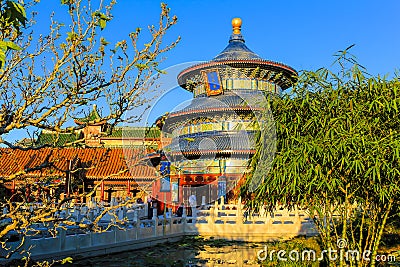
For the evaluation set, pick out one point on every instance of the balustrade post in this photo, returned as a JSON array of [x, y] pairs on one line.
[[184, 212], [194, 213], [211, 222], [262, 211], [90, 215], [5, 210], [124, 210], [271, 215], [154, 214], [239, 212], [216, 209], [62, 234], [170, 220], [268, 221], [75, 214], [155, 220], [184, 216], [135, 216], [136, 222], [297, 215], [212, 213], [120, 214], [83, 211]]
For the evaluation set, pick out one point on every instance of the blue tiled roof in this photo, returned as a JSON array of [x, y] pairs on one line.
[[230, 101], [231, 142], [236, 50]]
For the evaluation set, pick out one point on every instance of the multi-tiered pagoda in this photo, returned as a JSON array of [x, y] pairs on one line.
[[213, 136]]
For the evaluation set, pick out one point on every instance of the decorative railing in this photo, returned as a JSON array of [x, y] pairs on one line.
[[125, 229]]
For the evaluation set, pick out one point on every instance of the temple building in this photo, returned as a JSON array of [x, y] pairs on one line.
[[202, 149], [70, 171], [90, 158], [213, 137]]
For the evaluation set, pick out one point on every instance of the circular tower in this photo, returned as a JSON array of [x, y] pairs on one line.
[[213, 136]]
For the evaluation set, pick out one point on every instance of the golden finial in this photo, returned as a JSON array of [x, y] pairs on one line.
[[236, 25]]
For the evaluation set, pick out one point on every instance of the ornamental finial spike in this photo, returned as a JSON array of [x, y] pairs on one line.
[[236, 25]]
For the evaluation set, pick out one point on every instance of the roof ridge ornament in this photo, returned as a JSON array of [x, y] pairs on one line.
[[236, 25], [236, 34]]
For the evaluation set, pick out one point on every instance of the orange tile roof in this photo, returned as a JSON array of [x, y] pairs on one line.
[[96, 162]]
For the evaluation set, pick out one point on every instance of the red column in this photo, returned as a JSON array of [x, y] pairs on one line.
[[12, 190], [28, 193], [102, 191], [128, 190], [67, 184], [13, 187], [38, 193], [68, 178]]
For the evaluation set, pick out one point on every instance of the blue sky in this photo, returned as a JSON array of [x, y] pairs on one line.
[[301, 34]]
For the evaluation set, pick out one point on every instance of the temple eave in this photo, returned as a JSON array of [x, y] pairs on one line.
[[208, 111], [92, 123], [213, 152], [288, 72]]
